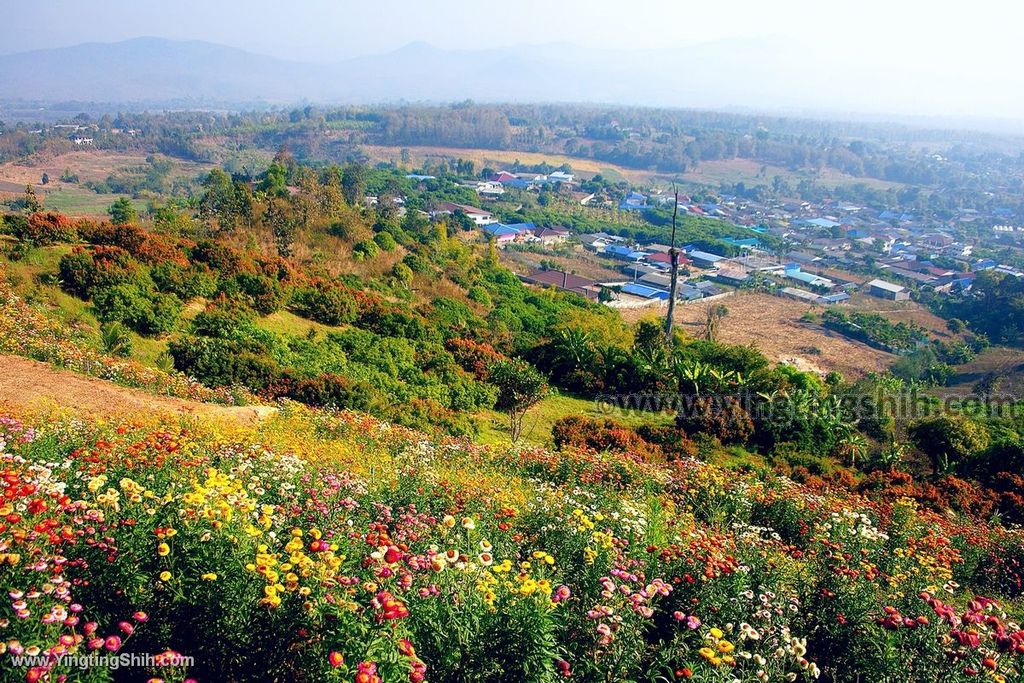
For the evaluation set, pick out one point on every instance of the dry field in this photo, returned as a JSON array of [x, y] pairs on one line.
[[773, 325], [902, 311], [582, 263], [496, 159], [72, 198]]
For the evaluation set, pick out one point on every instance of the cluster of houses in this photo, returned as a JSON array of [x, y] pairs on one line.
[[504, 180], [846, 237]]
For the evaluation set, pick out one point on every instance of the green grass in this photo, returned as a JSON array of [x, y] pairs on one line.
[[540, 419], [79, 201], [286, 322]]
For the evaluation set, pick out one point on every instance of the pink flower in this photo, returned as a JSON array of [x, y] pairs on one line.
[[112, 643]]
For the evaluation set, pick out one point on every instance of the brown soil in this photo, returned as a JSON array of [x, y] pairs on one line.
[[773, 325], [27, 384]]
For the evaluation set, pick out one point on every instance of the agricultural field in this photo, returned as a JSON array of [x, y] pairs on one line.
[[773, 325], [74, 198], [751, 172], [580, 263], [499, 158]]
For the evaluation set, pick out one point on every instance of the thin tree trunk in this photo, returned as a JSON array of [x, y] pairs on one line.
[[674, 270]]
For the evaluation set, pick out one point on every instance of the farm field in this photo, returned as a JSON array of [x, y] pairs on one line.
[[581, 263], [999, 365], [749, 171], [901, 311], [497, 158], [773, 325], [73, 198]]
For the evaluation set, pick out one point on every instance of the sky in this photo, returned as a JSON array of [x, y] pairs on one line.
[[974, 43]]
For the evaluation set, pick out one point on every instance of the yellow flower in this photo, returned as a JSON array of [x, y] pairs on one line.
[[163, 550], [209, 576], [165, 576]]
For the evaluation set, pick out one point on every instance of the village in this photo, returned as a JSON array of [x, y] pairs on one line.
[[814, 253]]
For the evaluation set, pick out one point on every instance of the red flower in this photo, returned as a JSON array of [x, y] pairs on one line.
[[336, 659]]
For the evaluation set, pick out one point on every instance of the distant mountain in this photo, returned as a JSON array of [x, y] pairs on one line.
[[752, 74]]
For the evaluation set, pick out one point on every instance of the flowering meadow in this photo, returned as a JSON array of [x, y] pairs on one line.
[[26, 331], [326, 546]]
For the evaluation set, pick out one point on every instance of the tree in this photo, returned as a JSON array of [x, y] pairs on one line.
[[122, 212], [353, 183], [673, 255], [32, 203], [949, 439], [116, 339], [520, 387], [853, 445], [283, 226], [714, 315]]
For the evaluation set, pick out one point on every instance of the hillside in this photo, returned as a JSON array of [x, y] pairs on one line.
[[326, 546]]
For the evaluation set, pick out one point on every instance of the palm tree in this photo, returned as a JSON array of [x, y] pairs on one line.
[[853, 445], [575, 347]]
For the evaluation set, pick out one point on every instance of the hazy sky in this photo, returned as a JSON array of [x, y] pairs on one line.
[[977, 41]]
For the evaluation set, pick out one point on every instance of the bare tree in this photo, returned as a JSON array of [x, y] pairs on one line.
[[673, 255]]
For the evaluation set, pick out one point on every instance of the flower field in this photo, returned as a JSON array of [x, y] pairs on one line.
[[333, 547]]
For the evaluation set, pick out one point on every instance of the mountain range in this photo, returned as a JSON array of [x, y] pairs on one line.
[[762, 74]]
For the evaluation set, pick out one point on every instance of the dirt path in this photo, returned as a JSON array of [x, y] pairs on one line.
[[28, 384]]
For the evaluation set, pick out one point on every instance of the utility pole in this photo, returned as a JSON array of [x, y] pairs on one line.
[[673, 255]]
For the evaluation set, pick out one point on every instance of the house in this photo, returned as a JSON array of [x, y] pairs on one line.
[[503, 177], [504, 234], [643, 291], [731, 275], [634, 201], [418, 177], [703, 259], [688, 292], [823, 223], [560, 177], [793, 272], [490, 189], [584, 198], [552, 235], [623, 252], [837, 298], [477, 215], [887, 290], [659, 280], [594, 242], [565, 282], [801, 295], [937, 240], [707, 288], [983, 264], [638, 270]]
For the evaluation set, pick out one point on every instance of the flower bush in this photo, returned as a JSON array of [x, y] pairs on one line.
[[330, 546]]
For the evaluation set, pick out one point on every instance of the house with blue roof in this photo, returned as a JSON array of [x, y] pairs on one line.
[[624, 253], [643, 291], [793, 272], [504, 233], [823, 223]]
